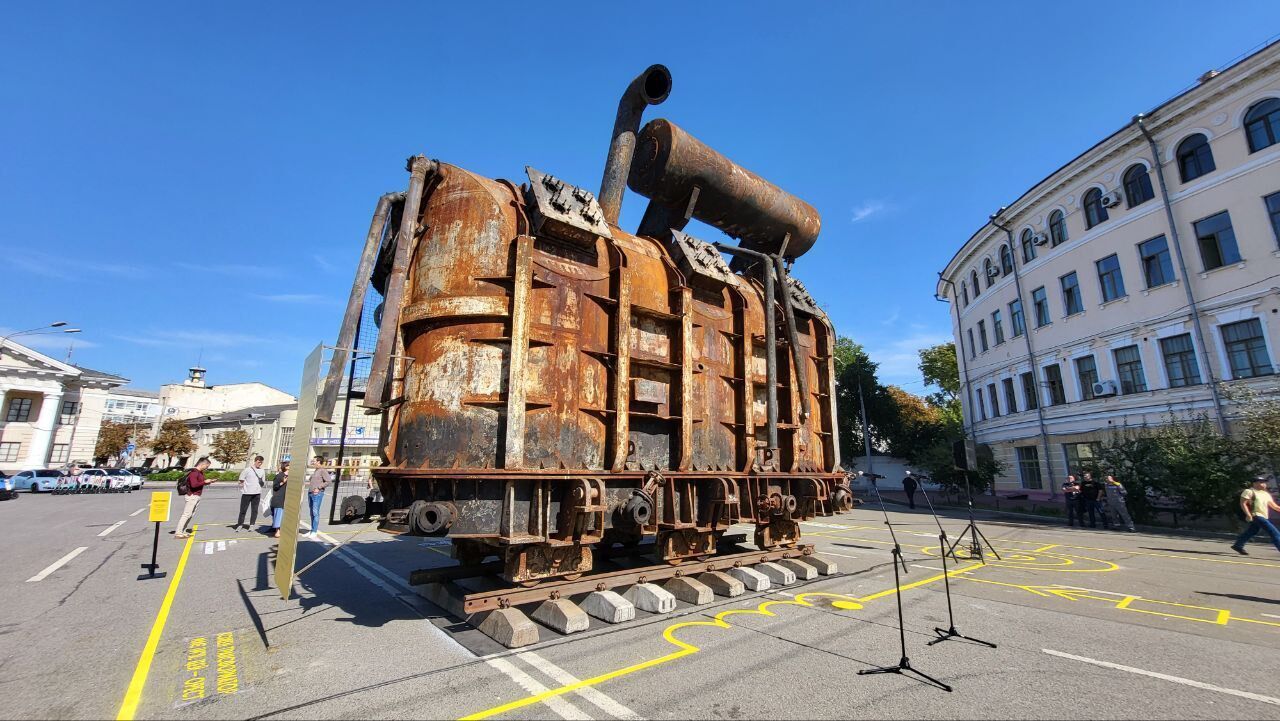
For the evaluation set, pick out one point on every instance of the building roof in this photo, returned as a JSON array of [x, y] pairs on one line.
[[135, 392], [242, 414], [99, 375]]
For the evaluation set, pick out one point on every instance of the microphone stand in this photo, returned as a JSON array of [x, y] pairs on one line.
[[951, 631], [975, 546], [903, 666]]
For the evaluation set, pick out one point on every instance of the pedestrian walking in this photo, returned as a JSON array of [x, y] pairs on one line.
[[194, 483], [909, 485], [1256, 505], [1071, 494], [252, 479], [1117, 504], [320, 479], [1093, 497], [278, 491]]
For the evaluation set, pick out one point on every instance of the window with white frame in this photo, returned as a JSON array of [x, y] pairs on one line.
[[9, 451], [1087, 373], [1010, 397], [1246, 349], [1029, 467], [1180, 361], [59, 453], [1129, 370], [1029, 392], [70, 409], [19, 410]]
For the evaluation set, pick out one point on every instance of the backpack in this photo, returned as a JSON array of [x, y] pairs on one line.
[[184, 484]]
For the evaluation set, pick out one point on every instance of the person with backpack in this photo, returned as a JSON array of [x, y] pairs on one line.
[[252, 478], [192, 486], [1256, 505]]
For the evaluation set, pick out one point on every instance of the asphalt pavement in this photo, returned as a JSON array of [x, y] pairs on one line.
[[1088, 624]]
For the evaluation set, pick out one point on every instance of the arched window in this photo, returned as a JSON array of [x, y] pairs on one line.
[[1006, 260], [1028, 247], [964, 293], [1057, 227], [989, 270], [1137, 185], [1262, 124], [1194, 157], [1094, 213], [973, 280]]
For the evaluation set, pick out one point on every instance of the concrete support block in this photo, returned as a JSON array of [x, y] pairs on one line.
[[509, 627], [778, 575], [562, 615], [722, 584], [609, 607], [751, 578], [651, 597], [803, 571], [690, 590], [825, 567]]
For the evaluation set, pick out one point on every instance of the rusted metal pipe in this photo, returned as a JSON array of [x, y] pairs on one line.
[[389, 330], [355, 304], [770, 338], [789, 315], [649, 88], [670, 163]]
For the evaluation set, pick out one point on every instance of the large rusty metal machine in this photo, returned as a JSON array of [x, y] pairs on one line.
[[552, 384]]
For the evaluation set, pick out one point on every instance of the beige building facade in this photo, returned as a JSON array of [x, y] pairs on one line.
[[194, 397], [1122, 288]]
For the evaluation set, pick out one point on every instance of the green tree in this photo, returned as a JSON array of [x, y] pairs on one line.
[[231, 446], [173, 440], [940, 368], [855, 370], [113, 438]]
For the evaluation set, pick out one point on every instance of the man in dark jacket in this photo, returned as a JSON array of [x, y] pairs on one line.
[[278, 491], [1071, 494], [1094, 500], [909, 486], [195, 490]]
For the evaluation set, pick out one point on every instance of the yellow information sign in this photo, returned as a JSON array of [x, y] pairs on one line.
[[160, 503]]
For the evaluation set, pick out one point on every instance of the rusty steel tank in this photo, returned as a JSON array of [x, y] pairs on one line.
[[551, 382]]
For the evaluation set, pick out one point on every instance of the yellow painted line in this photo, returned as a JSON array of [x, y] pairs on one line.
[[129, 709], [1044, 548]]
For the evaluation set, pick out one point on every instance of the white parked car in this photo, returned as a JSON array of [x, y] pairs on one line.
[[36, 481], [109, 479], [133, 482]]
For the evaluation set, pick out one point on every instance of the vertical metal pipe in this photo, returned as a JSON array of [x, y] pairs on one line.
[[793, 339], [419, 167], [649, 88], [1186, 277]]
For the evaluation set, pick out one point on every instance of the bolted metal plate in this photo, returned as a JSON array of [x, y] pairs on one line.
[[562, 210], [698, 258], [800, 297]]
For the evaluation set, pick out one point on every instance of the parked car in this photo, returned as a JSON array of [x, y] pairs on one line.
[[36, 481], [6, 487], [105, 479], [133, 480]]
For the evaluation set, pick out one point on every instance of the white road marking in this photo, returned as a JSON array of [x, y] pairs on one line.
[[1270, 615], [1095, 590], [222, 545], [208, 548], [57, 564], [833, 553], [140, 510], [921, 565], [560, 705], [593, 695], [111, 528], [1165, 677]]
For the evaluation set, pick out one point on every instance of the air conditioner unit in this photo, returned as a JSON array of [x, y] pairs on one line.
[[1102, 389], [1040, 239], [993, 273], [1112, 199]]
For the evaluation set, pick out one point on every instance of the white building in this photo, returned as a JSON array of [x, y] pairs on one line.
[[193, 397], [132, 407], [1120, 288]]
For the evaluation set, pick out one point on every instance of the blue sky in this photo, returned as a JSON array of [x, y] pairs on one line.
[[186, 178]]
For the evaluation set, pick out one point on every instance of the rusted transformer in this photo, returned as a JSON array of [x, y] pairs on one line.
[[551, 382]]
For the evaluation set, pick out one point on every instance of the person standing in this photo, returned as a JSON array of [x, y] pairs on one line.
[[1092, 494], [1256, 504], [320, 479], [195, 482], [909, 486], [251, 482], [278, 491], [1071, 494], [1116, 503]]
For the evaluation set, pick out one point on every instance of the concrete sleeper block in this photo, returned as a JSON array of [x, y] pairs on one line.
[[690, 590], [609, 607], [509, 627], [562, 615], [825, 567], [803, 571], [722, 584], [751, 578], [777, 574], [651, 597]]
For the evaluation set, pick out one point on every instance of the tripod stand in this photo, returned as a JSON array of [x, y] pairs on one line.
[[903, 666], [975, 534], [951, 631]]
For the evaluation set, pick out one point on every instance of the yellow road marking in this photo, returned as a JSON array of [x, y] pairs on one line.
[[129, 708], [684, 648], [1045, 548]]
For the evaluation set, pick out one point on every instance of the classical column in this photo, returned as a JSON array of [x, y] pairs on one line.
[[42, 431]]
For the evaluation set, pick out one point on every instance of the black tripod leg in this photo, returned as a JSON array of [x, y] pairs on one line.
[[994, 552]]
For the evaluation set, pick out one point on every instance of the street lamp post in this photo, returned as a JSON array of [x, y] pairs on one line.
[[41, 330]]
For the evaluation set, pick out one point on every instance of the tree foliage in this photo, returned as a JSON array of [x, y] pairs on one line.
[[231, 446], [173, 439], [113, 438]]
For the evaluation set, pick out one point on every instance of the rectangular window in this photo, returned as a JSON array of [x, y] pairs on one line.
[[1217, 241], [982, 408], [1029, 466], [1156, 266], [1071, 299], [1016, 319], [1010, 398], [973, 350], [1029, 393], [1246, 349], [1180, 361], [995, 402], [19, 410], [8, 452], [59, 454], [1129, 370], [1081, 457], [70, 409], [1040, 305], [1273, 211], [1053, 380], [997, 327], [982, 335], [1087, 372], [1110, 277]]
